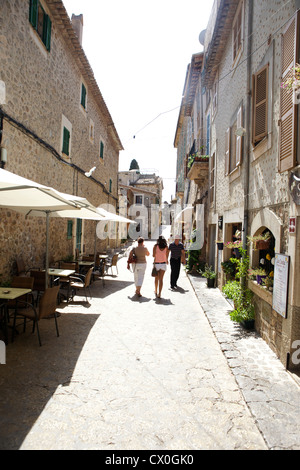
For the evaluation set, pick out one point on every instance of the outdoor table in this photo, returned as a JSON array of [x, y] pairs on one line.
[[59, 272], [6, 294], [83, 265]]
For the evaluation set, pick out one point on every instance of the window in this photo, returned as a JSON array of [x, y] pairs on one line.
[[66, 141], [233, 144], [41, 22], [101, 150], [138, 199], [237, 33], [212, 178], [208, 135], [215, 97], [92, 131], [260, 105], [110, 185], [288, 107], [66, 137], [70, 230], [83, 96]]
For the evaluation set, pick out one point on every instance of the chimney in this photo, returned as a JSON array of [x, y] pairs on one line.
[[77, 22]]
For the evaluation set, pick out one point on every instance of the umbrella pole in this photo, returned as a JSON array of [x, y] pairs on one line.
[[47, 248]]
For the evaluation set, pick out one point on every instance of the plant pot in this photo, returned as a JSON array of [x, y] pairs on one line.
[[259, 278], [210, 283], [262, 244], [220, 246], [237, 253], [248, 324]]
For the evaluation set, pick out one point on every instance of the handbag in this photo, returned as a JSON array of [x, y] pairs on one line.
[[132, 258], [154, 271]]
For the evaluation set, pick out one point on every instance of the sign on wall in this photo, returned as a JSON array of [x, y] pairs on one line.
[[281, 284]]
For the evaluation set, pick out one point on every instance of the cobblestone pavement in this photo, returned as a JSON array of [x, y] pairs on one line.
[[145, 373], [271, 393]]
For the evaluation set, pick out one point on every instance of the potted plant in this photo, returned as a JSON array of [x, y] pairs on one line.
[[292, 83], [242, 296], [220, 244], [210, 276], [261, 242], [229, 268], [260, 275]]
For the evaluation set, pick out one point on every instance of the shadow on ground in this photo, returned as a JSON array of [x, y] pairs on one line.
[[33, 373]]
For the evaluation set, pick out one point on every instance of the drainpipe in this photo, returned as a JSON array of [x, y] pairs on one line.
[[248, 123]]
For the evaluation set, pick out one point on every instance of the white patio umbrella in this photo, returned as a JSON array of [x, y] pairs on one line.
[[34, 199], [111, 217]]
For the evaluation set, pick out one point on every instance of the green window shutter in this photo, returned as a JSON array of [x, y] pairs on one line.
[[47, 32], [66, 141], [33, 13], [83, 96], [70, 229], [101, 149]]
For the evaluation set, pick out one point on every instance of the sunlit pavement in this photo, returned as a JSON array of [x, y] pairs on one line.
[[128, 373]]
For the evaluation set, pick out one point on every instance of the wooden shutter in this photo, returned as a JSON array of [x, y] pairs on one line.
[[47, 32], [288, 114], [260, 105], [83, 96], [239, 141], [227, 151], [33, 13], [66, 141], [101, 149]]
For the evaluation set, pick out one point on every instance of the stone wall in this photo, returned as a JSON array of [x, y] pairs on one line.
[[42, 89]]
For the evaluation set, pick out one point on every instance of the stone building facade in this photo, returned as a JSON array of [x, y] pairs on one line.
[[55, 127], [250, 48], [192, 143], [138, 188]]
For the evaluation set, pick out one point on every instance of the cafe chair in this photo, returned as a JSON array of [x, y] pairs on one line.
[[77, 283], [21, 270], [39, 284], [112, 263], [46, 308]]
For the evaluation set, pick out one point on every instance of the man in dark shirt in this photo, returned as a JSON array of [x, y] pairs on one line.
[[177, 255]]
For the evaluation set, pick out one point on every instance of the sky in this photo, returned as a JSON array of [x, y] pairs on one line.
[[139, 51]]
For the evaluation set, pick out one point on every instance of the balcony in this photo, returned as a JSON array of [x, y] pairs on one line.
[[198, 168]]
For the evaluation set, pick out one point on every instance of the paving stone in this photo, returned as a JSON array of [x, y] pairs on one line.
[[142, 373]]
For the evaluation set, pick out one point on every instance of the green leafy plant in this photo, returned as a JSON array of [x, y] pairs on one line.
[[208, 272], [242, 295], [231, 289], [229, 267]]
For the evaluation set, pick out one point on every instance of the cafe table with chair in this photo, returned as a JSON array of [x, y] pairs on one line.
[[7, 294]]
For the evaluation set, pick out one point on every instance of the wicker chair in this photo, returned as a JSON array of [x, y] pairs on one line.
[[46, 308], [77, 283]]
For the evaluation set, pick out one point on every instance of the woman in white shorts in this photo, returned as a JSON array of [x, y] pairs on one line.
[[160, 254], [140, 266]]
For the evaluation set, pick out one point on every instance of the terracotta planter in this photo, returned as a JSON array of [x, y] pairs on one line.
[[262, 245]]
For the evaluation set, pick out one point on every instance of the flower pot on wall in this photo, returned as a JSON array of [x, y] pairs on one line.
[[262, 244], [260, 277], [220, 245]]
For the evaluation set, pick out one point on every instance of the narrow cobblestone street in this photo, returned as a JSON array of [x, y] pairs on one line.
[[145, 373]]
